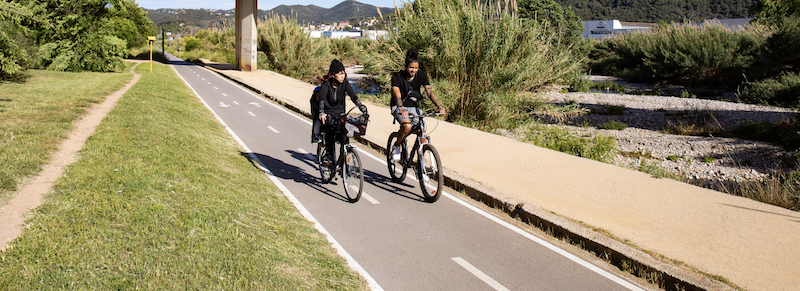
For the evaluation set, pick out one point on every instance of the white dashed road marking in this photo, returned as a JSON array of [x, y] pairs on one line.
[[479, 274]]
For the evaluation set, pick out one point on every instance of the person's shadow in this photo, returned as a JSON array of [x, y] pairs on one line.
[[288, 172]]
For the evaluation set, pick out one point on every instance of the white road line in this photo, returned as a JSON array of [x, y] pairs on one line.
[[209, 83], [369, 198], [234, 102], [202, 78], [527, 235], [546, 244], [223, 94], [273, 129], [351, 262], [481, 275], [215, 88], [251, 113]]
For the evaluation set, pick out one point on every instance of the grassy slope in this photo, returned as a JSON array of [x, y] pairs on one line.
[[162, 197], [37, 115]]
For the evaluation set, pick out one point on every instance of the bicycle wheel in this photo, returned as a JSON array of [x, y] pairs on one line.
[[429, 173], [397, 170], [352, 174], [325, 169]]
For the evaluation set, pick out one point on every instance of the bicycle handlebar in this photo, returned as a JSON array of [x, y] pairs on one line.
[[424, 115]]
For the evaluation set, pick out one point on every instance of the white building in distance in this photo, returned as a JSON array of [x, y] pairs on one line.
[[605, 28]]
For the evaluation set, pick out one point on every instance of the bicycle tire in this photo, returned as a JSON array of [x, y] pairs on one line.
[[397, 170], [352, 175], [429, 173], [326, 171]]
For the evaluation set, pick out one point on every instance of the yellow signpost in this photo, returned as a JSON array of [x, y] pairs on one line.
[[151, 40]]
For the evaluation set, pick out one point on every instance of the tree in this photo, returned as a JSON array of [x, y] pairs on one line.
[[772, 11], [129, 22], [563, 21], [14, 39], [91, 35]]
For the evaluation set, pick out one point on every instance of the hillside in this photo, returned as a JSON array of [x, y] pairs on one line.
[[657, 10], [204, 18]]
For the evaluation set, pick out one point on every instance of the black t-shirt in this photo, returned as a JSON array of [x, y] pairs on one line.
[[399, 80]]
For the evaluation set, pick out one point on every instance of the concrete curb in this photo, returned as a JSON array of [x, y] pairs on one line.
[[604, 247]]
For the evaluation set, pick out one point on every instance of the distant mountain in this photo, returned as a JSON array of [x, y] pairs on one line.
[[655, 11], [348, 10], [311, 14]]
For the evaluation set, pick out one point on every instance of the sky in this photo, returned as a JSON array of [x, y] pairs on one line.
[[262, 4]]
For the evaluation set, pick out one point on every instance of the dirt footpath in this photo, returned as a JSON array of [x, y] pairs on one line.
[[30, 195]]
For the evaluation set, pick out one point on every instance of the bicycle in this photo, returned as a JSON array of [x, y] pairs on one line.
[[426, 161], [348, 162]]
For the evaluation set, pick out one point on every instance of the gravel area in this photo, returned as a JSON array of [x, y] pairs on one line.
[[705, 160]]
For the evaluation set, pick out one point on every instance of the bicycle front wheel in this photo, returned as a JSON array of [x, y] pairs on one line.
[[353, 175], [397, 169], [325, 168], [429, 173]]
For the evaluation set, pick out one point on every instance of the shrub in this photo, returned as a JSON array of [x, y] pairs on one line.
[[785, 134], [783, 91], [579, 82], [614, 125], [290, 51], [478, 48], [191, 43], [681, 54], [600, 147]]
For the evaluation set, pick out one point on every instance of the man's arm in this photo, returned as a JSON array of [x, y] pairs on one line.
[[433, 98]]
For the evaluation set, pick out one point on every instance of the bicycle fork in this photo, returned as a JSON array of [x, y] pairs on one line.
[[421, 158]]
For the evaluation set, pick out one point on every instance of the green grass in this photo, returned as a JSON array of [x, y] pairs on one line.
[[599, 147], [162, 198], [614, 125], [36, 115]]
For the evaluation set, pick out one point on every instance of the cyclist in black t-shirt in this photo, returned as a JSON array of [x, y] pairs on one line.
[[406, 85]]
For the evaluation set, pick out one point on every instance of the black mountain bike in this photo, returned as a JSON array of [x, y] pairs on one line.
[[423, 157], [348, 163]]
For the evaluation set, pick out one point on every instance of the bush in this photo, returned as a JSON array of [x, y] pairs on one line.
[[614, 125], [290, 51], [681, 54], [480, 49], [579, 82], [600, 147], [96, 53], [783, 91], [191, 43]]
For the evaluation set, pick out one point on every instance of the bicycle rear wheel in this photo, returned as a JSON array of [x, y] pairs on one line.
[[325, 168], [352, 174], [397, 170], [429, 173]]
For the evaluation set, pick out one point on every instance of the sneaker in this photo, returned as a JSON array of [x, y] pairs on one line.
[[396, 151], [316, 139]]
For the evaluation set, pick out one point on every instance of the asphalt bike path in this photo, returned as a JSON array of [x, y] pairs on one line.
[[397, 241], [660, 223]]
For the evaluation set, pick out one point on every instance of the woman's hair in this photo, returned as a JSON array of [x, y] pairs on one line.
[[329, 76], [412, 56]]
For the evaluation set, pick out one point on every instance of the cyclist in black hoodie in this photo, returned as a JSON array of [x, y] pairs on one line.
[[332, 101]]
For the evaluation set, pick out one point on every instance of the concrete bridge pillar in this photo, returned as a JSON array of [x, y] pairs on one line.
[[246, 35]]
